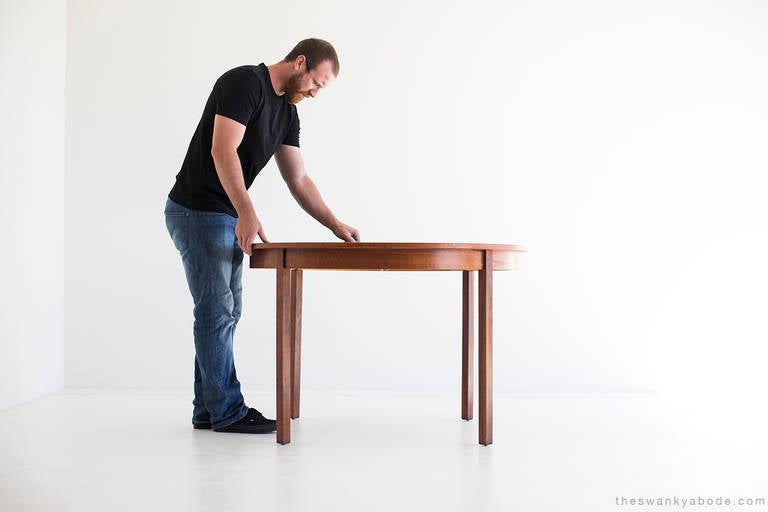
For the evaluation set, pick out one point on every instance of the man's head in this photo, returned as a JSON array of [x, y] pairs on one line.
[[314, 64]]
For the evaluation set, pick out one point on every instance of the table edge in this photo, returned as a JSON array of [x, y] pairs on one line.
[[386, 245]]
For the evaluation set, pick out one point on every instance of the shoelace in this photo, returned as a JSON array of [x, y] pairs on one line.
[[255, 416]]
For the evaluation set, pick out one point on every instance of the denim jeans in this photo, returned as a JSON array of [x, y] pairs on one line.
[[213, 264]]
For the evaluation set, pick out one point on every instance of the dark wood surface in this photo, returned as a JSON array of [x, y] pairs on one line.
[[386, 245], [296, 290], [290, 259], [283, 355], [485, 350], [382, 256], [467, 343]]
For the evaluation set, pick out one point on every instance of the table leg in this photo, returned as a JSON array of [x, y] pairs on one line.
[[485, 349], [467, 343], [283, 371], [296, 289]]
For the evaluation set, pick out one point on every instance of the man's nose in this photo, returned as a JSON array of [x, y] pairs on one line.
[[313, 92]]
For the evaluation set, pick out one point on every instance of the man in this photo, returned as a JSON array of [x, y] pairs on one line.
[[250, 116]]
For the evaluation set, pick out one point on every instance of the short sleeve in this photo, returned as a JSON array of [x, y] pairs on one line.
[[292, 137], [237, 95]]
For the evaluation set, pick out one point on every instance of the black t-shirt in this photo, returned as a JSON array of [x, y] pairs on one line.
[[244, 94]]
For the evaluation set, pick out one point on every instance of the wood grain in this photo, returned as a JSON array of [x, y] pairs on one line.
[[384, 259], [296, 291], [289, 260], [467, 343], [382, 256], [485, 350], [283, 359]]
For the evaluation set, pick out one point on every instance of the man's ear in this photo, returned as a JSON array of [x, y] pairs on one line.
[[300, 60]]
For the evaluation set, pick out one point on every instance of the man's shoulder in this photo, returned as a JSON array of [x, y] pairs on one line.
[[245, 72], [243, 81]]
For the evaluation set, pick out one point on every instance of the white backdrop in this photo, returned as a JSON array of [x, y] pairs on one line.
[[32, 63], [622, 142]]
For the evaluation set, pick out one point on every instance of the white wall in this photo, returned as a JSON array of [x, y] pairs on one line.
[[622, 142], [32, 61]]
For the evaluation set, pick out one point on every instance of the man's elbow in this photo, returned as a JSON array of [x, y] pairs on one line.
[[220, 153], [296, 184], [300, 181]]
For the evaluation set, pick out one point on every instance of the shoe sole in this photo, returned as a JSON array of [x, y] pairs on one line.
[[255, 429], [264, 429], [202, 426]]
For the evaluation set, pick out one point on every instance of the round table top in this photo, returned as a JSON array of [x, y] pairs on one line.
[[387, 245], [384, 256]]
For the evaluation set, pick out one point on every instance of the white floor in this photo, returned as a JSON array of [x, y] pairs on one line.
[[120, 451]]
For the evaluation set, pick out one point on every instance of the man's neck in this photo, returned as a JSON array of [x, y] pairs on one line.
[[279, 74]]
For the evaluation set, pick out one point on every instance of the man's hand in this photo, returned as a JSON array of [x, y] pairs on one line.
[[246, 229], [346, 233]]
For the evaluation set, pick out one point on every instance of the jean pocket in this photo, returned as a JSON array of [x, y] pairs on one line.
[[178, 227]]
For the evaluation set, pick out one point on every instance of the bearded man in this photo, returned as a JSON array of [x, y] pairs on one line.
[[250, 116]]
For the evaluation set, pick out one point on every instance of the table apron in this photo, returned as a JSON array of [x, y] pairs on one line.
[[380, 259]]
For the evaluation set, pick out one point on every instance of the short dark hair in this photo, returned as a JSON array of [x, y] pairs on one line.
[[315, 51]]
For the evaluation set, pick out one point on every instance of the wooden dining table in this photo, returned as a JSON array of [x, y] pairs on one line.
[[291, 259]]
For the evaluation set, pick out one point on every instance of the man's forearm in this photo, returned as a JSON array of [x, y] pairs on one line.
[[230, 173], [308, 196]]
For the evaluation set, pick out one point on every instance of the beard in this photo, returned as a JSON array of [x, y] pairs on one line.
[[293, 91]]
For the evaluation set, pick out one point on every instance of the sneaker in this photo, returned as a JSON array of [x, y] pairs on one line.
[[253, 423], [204, 422]]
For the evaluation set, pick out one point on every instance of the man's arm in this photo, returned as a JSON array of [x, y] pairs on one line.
[[227, 136], [303, 189]]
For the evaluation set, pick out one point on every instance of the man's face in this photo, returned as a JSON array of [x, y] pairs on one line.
[[303, 84]]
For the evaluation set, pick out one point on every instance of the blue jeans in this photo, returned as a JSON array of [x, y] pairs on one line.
[[213, 263]]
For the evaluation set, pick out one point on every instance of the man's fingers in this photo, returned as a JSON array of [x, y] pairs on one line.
[[245, 244], [263, 236], [348, 234]]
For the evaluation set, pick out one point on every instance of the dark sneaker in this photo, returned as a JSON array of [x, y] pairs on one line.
[[203, 422], [253, 423]]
